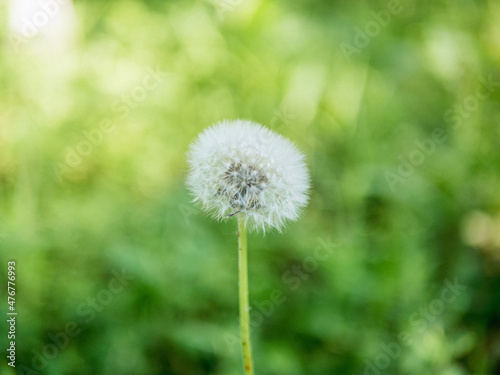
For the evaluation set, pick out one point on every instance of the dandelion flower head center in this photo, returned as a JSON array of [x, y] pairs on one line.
[[244, 184]]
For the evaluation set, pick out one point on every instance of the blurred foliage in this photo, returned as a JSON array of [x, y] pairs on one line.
[[74, 214]]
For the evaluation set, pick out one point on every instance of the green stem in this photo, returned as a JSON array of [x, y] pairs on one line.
[[246, 347]]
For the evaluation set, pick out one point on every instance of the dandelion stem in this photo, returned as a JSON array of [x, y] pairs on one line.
[[246, 347]]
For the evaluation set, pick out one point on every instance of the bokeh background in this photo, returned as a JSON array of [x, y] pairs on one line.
[[394, 266]]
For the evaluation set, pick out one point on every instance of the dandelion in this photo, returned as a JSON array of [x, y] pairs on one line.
[[242, 169], [239, 167]]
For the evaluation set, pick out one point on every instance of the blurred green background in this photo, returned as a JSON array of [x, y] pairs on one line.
[[394, 267]]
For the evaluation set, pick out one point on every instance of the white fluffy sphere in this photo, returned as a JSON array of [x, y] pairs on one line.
[[242, 168]]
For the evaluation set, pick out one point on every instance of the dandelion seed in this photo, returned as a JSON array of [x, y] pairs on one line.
[[239, 167]]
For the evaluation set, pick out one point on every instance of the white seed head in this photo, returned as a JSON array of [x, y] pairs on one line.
[[240, 167]]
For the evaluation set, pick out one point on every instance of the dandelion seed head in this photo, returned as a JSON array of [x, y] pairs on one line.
[[242, 168]]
